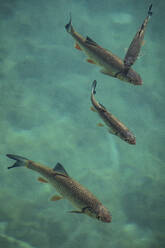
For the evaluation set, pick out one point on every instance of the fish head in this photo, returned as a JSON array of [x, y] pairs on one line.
[[129, 138], [103, 214], [99, 212], [130, 76], [133, 77]]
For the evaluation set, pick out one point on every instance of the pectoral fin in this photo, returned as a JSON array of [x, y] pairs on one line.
[[56, 198], [143, 42], [93, 109], [42, 180], [82, 211], [75, 212], [77, 46]]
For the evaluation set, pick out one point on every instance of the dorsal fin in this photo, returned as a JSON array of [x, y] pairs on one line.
[[90, 41], [59, 168]]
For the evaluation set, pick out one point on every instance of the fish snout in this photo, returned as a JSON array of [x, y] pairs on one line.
[[130, 138], [139, 82], [104, 215], [134, 78], [132, 141], [107, 219]]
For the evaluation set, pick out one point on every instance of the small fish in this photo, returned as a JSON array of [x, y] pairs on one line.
[[115, 126], [136, 44], [111, 64], [80, 197]]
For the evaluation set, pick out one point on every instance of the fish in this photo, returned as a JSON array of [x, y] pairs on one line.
[[110, 64], [136, 44], [80, 197], [114, 125]]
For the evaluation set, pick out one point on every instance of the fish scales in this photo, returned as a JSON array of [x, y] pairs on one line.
[[113, 122], [75, 192], [67, 187], [115, 126], [101, 56], [110, 64]]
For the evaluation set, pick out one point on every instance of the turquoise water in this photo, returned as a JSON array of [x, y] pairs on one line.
[[45, 87]]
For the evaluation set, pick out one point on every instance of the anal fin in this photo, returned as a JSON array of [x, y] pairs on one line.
[[82, 211], [56, 198], [100, 124], [90, 61]]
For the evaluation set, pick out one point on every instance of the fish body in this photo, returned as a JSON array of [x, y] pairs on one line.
[[111, 64], [115, 126], [67, 187], [137, 42]]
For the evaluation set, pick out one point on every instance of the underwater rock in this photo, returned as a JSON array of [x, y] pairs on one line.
[[3, 225], [30, 68], [7, 9], [24, 29], [3, 53], [24, 220], [145, 206], [23, 121], [10, 242], [28, 231]]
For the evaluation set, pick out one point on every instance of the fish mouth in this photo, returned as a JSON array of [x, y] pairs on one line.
[[132, 142], [133, 77], [136, 81], [139, 82], [108, 219]]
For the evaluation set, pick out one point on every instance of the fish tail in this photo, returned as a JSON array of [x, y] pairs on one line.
[[20, 161], [94, 87], [149, 10], [69, 27]]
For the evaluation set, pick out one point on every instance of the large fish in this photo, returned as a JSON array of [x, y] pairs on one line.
[[80, 197], [111, 64], [114, 125], [135, 46]]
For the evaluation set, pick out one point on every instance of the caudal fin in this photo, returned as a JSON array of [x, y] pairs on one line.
[[149, 10], [20, 161], [94, 87], [69, 27]]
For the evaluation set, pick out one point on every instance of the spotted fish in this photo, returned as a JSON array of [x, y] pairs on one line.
[[110, 64], [114, 125], [136, 44], [79, 196]]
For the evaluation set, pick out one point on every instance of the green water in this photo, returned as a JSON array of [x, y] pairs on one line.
[[45, 87]]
